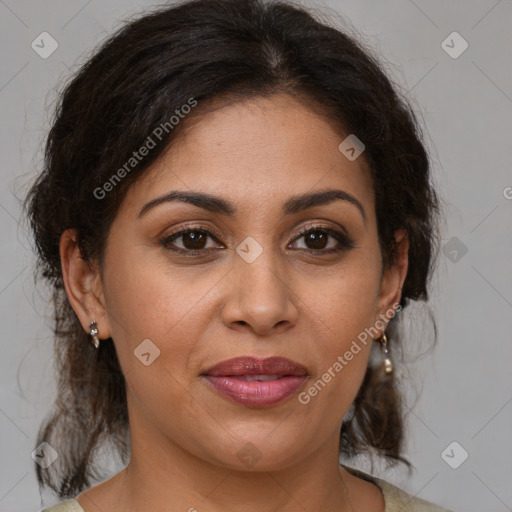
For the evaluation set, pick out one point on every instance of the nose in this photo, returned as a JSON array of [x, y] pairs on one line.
[[260, 297]]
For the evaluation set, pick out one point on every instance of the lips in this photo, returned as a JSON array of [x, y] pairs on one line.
[[257, 382], [240, 366]]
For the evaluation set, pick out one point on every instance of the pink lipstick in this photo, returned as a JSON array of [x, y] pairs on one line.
[[257, 382]]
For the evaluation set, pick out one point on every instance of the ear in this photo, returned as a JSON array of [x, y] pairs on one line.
[[83, 285], [393, 278]]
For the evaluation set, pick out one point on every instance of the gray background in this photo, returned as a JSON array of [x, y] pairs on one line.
[[465, 383]]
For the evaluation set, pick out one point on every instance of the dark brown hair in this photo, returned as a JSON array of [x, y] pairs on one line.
[[224, 50]]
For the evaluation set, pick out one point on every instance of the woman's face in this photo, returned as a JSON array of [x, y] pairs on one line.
[[253, 287]]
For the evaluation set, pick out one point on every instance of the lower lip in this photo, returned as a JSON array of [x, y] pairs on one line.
[[256, 393]]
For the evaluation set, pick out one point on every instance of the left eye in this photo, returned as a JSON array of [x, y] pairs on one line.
[[318, 236], [194, 240]]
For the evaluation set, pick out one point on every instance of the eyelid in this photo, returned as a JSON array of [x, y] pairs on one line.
[[315, 225], [194, 227]]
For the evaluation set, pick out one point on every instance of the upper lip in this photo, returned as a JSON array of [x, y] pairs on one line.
[[248, 365]]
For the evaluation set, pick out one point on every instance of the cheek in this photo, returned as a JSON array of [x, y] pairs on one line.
[[146, 301], [342, 312], [149, 301], [346, 302]]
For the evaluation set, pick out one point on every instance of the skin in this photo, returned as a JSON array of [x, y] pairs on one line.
[[200, 310]]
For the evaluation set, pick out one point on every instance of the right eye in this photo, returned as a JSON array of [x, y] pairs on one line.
[[193, 240]]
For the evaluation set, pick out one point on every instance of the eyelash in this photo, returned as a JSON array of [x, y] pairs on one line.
[[345, 242]]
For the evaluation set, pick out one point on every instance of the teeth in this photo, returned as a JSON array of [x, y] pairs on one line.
[[250, 378]]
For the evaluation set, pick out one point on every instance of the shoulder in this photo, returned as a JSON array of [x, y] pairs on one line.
[[398, 500], [69, 505], [395, 499]]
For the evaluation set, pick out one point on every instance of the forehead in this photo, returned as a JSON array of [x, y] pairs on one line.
[[256, 152]]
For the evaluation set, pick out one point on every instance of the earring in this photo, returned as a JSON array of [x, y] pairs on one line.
[[94, 334], [388, 363]]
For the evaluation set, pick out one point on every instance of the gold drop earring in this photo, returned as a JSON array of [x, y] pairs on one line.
[[388, 363]]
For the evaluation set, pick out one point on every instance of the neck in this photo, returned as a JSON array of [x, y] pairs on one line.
[[170, 478], [167, 474]]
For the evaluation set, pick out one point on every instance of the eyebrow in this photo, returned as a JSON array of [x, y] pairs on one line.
[[216, 204]]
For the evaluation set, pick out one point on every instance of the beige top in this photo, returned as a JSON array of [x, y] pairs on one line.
[[395, 499]]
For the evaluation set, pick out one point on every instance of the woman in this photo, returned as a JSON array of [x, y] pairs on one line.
[[236, 205]]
